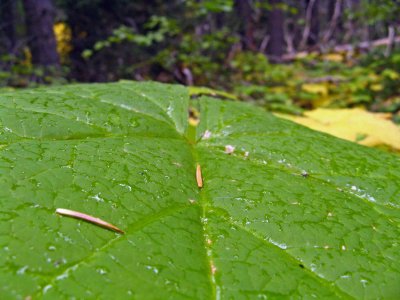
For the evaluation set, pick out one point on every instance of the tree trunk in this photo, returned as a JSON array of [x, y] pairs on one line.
[[312, 39], [39, 17], [276, 44], [8, 15], [245, 12], [335, 23]]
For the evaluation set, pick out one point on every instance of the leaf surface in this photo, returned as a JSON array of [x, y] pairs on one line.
[[289, 212]]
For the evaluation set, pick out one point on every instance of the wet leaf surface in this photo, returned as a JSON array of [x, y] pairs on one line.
[[287, 212]]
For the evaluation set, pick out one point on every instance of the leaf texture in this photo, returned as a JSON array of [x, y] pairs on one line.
[[290, 213]]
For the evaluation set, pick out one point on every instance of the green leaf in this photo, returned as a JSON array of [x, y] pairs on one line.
[[195, 91], [289, 213]]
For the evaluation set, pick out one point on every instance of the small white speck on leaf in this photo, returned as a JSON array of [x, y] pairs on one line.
[[206, 134], [213, 268], [177, 164], [364, 282], [229, 149]]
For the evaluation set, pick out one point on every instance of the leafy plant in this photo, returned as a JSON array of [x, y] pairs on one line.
[[158, 30], [285, 212], [19, 72]]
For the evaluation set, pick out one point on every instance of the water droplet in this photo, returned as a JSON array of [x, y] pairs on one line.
[[62, 276], [22, 270], [152, 268], [364, 282], [280, 245], [134, 123], [246, 221], [128, 187], [313, 267], [46, 288], [101, 271], [97, 197], [170, 110]]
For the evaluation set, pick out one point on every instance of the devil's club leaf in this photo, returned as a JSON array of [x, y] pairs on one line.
[[284, 211]]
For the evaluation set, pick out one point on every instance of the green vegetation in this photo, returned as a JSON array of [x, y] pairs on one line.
[[182, 171], [278, 216], [286, 56], [319, 81]]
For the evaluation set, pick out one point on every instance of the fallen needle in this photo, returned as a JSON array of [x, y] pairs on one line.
[[199, 178], [87, 218]]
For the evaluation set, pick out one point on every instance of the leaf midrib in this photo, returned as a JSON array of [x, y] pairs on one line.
[[205, 204], [137, 226]]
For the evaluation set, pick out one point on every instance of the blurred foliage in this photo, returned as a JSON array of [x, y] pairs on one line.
[[63, 36], [200, 43], [377, 10], [159, 28], [18, 72], [333, 80]]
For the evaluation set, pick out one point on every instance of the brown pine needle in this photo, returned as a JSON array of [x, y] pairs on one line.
[[199, 178], [87, 218]]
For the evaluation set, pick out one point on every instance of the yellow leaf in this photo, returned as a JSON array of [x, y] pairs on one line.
[[315, 88], [333, 57], [357, 125], [376, 87], [373, 77], [393, 75], [278, 89], [63, 36], [28, 57]]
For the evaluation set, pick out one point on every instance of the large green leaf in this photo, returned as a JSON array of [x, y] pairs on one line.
[[290, 213]]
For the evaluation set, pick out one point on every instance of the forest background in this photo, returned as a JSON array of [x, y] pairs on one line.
[[288, 56]]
